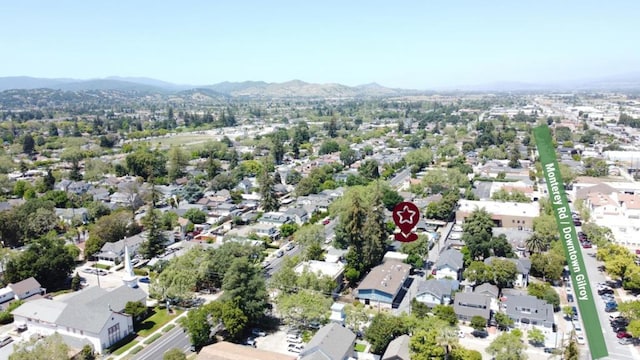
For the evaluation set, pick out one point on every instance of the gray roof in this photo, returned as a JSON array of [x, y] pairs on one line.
[[117, 248], [398, 349], [438, 287], [332, 342], [487, 290], [87, 310], [536, 309], [472, 304], [298, 211], [452, 258]]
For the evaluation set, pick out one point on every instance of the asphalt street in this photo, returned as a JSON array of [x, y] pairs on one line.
[[174, 338], [616, 350]]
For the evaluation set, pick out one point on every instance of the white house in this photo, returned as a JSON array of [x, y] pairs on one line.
[[93, 315], [449, 265]]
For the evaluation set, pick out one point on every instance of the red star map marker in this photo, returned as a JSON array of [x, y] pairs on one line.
[[406, 216]]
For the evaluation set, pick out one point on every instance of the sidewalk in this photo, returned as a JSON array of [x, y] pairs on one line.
[[141, 339]]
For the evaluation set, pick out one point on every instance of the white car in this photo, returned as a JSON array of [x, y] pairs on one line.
[[580, 340], [568, 290]]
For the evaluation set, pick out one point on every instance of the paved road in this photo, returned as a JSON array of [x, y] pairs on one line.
[[399, 180], [174, 338], [616, 351], [276, 264]]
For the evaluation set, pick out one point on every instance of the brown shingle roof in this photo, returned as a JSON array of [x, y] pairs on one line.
[[227, 351], [387, 277], [25, 285]]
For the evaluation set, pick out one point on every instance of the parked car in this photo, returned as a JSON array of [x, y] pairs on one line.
[[294, 348], [603, 291], [6, 341], [623, 334], [587, 245], [326, 221], [250, 342], [580, 340], [617, 329], [577, 222], [280, 253], [258, 332], [145, 280], [625, 341], [290, 246]]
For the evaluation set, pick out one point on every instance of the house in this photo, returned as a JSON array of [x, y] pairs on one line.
[[26, 288], [224, 350], [298, 214], [434, 292], [467, 305], [523, 266], [93, 314], [99, 194], [126, 200], [527, 309], [114, 252], [383, 284], [490, 291], [314, 202], [224, 209], [74, 187], [449, 265], [504, 214], [275, 218], [398, 349], [334, 270], [72, 216], [270, 231], [245, 186], [331, 342], [337, 314]]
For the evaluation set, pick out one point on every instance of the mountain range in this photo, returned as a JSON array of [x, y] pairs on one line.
[[298, 88], [294, 88]]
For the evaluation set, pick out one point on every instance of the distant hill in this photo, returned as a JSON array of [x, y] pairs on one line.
[[253, 89]]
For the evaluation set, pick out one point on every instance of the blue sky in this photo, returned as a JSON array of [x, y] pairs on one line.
[[412, 44]]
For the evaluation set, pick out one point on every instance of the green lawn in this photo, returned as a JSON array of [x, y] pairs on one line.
[[125, 347], [360, 347], [157, 320]]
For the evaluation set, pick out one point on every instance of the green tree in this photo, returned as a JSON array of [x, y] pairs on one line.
[[478, 323], [348, 156], [108, 228], [244, 283], [382, 330], [300, 308], [547, 265], [374, 231], [233, 318], [136, 309], [503, 320], [155, 238], [287, 230], [424, 345], [477, 234], [568, 312], [535, 336], [369, 169], [446, 313], [479, 273], [460, 353], [504, 272], [268, 199], [544, 291], [86, 353], [507, 346], [174, 354], [196, 216], [28, 144], [46, 259], [196, 323], [571, 353], [178, 161], [51, 347], [75, 282]]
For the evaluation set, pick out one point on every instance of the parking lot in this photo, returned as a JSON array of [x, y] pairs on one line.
[[276, 342]]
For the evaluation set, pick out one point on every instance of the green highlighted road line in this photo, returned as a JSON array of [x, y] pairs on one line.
[[569, 238]]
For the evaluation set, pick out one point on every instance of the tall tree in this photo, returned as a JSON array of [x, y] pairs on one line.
[[507, 346], [268, 199], [28, 144], [244, 284], [478, 232], [178, 161], [155, 239], [375, 231]]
